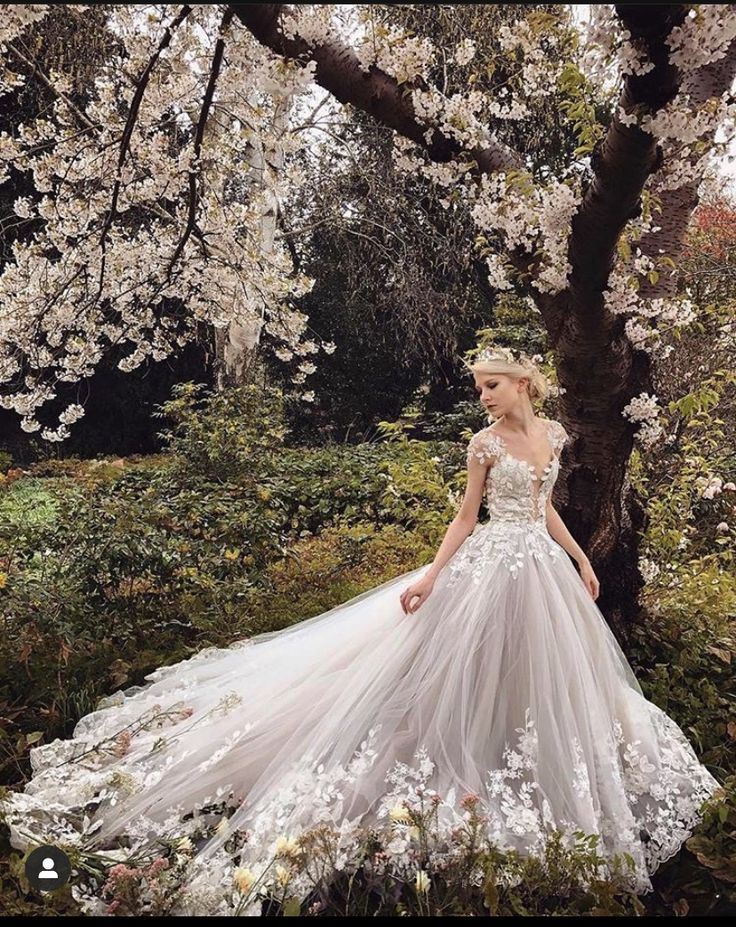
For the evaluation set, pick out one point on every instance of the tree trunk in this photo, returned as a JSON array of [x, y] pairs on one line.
[[593, 494], [237, 346]]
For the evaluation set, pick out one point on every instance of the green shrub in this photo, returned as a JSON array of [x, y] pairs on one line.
[[223, 436]]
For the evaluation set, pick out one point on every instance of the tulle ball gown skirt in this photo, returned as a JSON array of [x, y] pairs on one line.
[[506, 684]]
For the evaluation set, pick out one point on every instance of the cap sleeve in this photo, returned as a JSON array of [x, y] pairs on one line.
[[484, 446], [558, 436]]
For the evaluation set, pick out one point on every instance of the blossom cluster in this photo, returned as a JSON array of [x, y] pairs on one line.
[[711, 486], [133, 245], [542, 61], [644, 410], [16, 18], [648, 320], [531, 218], [704, 36]]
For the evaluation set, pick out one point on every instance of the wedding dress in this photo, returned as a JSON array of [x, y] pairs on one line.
[[506, 683]]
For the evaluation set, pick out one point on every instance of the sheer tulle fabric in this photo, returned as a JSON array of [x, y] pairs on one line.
[[506, 683]]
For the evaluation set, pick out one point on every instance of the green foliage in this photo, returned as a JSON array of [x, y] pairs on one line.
[[689, 636], [224, 435], [715, 845], [28, 504], [682, 536], [331, 568], [580, 108]]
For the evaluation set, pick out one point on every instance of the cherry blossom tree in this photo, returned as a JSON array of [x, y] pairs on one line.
[[169, 131], [598, 248], [151, 204]]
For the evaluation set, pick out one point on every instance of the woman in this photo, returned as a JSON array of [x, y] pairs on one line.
[[492, 673]]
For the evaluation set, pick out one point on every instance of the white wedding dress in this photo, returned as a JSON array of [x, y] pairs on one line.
[[507, 683]]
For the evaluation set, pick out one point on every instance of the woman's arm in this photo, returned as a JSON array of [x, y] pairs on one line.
[[557, 528], [463, 523]]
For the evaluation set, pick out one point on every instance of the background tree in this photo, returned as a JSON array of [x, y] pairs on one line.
[[393, 266], [118, 406]]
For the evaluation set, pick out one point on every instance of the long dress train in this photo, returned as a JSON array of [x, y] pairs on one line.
[[507, 683]]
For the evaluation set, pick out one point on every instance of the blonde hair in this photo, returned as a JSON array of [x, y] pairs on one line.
[[505, 362]]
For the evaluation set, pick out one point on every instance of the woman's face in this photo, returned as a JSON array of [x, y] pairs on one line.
[[498, 392]]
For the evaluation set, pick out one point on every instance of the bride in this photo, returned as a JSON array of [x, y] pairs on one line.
[[490, 672]]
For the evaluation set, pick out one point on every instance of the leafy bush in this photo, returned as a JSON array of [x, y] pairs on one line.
[[115, 570], [223, 436]]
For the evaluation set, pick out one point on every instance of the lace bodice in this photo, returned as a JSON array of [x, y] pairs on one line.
[[515, 492]]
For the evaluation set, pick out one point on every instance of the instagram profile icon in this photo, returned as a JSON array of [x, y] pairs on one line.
[[47, 868]]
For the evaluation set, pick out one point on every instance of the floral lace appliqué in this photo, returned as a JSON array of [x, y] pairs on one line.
[[516, 498], [656, 803]]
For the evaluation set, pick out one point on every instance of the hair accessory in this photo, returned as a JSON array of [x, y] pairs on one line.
[[491, 354], [506, 355]]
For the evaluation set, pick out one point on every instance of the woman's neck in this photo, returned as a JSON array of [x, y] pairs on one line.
[[523, 423]]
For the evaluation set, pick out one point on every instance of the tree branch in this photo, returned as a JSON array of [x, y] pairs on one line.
[[375, 92], [678, 204], [37, 70], [627, 154], [130, 125], [199, 135]]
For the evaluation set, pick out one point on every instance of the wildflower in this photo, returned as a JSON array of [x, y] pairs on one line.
[[120, 878], [287, 846], [157, 866], [122, 743], [399, 814], [244, 879], [422, 882], [283, 875]]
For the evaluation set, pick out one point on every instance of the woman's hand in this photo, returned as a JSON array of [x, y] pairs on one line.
[[587, 574], [419, 590]]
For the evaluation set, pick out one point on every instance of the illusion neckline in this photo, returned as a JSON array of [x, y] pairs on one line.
[[545, 472]]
